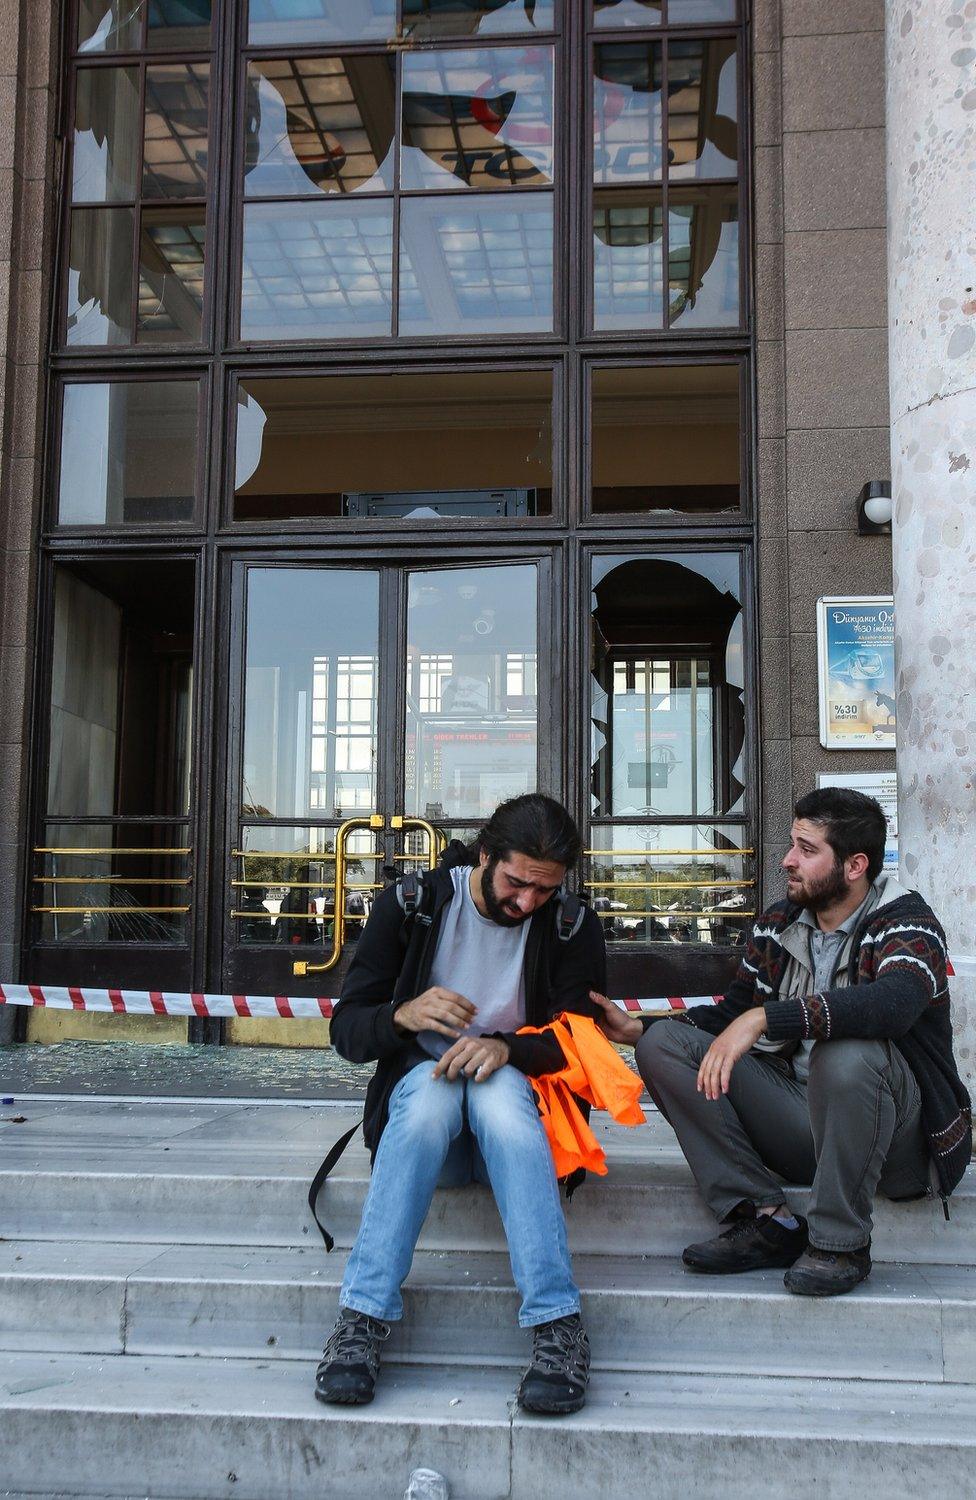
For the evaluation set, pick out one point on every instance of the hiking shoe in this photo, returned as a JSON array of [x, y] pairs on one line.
[[748, 1245], [828, 1273], [555, 1382], [350, 1364]]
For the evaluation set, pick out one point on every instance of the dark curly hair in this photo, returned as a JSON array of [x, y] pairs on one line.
[[535, 825]]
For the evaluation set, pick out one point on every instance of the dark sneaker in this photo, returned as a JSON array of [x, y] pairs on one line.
[[555, 1382], [828, 1273], [351, 1361], [748, 1245]]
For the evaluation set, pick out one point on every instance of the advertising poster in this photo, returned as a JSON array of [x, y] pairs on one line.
[[883, 787], [856, 653]]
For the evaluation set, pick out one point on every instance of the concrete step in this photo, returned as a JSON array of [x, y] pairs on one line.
[[650, 1207], [643, 1313], [205, 1429], [238, 1174]]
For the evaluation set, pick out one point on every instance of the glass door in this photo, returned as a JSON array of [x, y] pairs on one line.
[[669, 866], [380, 710]]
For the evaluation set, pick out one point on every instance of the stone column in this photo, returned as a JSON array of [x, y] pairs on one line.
[[931, 170]]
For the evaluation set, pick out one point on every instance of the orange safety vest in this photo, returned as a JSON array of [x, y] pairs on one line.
[[594, 1071]]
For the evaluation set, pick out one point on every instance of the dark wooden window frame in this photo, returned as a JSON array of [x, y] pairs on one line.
[[394, 565], [213, 538], [338, 526], [133, 375]]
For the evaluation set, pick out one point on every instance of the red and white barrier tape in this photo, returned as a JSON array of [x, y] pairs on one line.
[[280, 1007]]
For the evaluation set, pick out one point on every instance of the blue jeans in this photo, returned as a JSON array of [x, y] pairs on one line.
[[442, 1134]]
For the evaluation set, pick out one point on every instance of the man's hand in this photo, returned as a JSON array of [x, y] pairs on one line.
[[436, 1009], [734, 1042], [615, 1023], [475, 1057]]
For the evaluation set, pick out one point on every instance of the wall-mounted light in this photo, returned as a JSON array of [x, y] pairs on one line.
[[874, 508]]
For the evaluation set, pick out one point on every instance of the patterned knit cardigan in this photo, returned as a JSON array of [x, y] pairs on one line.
[[898, 991]]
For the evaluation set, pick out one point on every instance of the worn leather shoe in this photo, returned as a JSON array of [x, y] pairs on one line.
[[748, 1245], [828, 1273]]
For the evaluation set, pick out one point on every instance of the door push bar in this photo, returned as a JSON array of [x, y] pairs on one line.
[[435, 842]]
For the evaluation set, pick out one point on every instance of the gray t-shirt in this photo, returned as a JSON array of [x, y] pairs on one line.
[[481, 960]]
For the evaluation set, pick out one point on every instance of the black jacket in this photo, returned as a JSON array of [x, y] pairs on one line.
[[392, 964]]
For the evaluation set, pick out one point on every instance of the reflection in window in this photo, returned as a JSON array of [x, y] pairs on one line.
[[627, 12], [702, 109], [284, 891], [317, 270], [171, 267], [628, 258], [128, 452], [627, 112], [100, 276], [672, 882], [425, 20], [303, 21], [703, 258], [310, 692], [110, 25], [423, 445], [165, 305], [471, 653], [665, 438], [686, 12], [343, 730], [175, 152], [478, 265], [105, 145], [319, 124], [178, 24], [117, 25], [667, 678], [477, 118]]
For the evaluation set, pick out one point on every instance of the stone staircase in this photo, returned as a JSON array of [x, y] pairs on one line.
[[164, 1299]]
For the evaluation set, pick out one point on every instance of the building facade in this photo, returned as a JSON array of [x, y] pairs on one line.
[[408, 404]]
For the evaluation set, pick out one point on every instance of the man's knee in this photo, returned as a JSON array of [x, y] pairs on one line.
[[503, 1104], [846, 1063], [667, 1043], [424, 1108]]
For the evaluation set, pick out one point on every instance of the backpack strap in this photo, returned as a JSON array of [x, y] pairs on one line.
[[570, 910], [415, 896], [318, 1180]]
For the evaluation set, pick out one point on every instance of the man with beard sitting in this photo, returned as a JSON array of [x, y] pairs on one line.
[[829, 1061], [436, 997]]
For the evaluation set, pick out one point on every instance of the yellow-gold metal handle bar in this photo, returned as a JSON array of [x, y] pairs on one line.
[[117, 910], [112, 879], [84, 849], [301, 967], [663, 911], [662, 853], [663, 885]]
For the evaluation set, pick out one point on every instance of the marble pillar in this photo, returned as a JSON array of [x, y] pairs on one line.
[[931, 177]]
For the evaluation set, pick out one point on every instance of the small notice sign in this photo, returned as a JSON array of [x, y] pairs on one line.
[[856, 655]]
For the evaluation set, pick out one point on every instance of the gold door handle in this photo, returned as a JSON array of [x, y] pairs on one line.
[[300, 966], [435, 842]]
